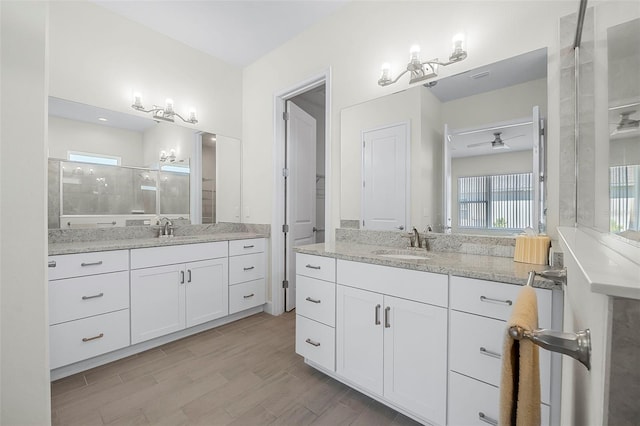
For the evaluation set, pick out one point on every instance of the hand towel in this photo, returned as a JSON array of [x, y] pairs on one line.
[[520, 380]]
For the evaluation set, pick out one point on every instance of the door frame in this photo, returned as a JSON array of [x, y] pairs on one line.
[[407, 162], [276, 306]]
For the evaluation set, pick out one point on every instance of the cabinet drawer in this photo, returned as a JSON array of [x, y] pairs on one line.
[[81, 264], [239, 247], [101, 334], [316, 299], [171, 255], [495, 300], [80, 297], [425, 287], [316, 342], [322, 268], [246, 295], [468, 398], [246, 268], [476, 349]]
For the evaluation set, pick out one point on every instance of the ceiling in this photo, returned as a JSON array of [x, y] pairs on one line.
[[508, 72], [238, 32]]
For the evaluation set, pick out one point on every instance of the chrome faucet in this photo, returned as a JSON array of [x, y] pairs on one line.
[[167, 228], [416, 238]]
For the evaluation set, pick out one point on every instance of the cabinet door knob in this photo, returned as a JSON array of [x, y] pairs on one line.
[[248, 247], [311, 342], [188, 275], [52, 264], [378, 314], [309, 299], [312, 267], [181, 277], [249, 268], [248, 296]]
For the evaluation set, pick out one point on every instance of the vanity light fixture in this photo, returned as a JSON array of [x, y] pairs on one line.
[[421, 71], [170, 158], [165, 113]]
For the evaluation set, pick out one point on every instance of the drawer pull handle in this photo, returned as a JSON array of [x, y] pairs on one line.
[[52, 264], [387, 324], [88, 339], [492, 354], [188, 275], [95, 296], [249, 268], [181, 277], [249, 296], [248, 247], [99, 262], [309, 299], [498, 301], [378, 314], [312, 343], [313, 267], [484, 418]]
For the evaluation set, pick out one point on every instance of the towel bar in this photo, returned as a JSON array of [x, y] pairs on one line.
[[576, 345]]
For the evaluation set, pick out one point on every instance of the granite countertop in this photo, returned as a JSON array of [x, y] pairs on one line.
[[74, 247], [493, 268]]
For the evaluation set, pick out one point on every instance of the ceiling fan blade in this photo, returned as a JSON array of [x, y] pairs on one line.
[[475, 145], [501, 146], [512, 137]]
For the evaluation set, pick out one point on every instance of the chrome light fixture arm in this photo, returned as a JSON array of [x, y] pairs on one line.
[[165, 113]]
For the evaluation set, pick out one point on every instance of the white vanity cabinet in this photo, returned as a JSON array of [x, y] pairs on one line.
[[316, 309], [175, 287], [246, 274], [391, 336], [479, 311], [88, 305]]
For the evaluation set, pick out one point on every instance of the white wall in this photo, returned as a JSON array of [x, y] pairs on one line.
[[385, 31], [71, 135], [505, 104], [24, 344], [100, 58]]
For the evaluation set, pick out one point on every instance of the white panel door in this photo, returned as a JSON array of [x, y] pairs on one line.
[[359, 337], [415, 357], [157, 302], [207, 291], [301, 198], [385, 168]]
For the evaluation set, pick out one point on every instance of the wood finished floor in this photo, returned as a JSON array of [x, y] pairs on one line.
[[244, 373]]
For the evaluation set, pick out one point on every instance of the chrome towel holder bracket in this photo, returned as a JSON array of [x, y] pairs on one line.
[[576, 345]]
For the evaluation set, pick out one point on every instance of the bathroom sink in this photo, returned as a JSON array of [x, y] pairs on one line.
[[407, 254]]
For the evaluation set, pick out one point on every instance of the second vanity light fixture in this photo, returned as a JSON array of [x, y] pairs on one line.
[[165, 113], [424, 70]]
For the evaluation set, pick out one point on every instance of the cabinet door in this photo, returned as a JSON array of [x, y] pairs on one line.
[[157, 302], [207, 291], [359, 336], [415, 357]]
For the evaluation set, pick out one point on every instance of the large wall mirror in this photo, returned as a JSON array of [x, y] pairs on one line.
[[108, 169], [623, 54], [473, 156]]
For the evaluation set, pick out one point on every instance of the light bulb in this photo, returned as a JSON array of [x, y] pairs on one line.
[[168, 105], [386, 70], [458, 42], [137, 100], [414, 53], [192, 115]]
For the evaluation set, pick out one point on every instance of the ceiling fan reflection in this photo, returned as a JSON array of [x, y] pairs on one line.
[[496, 143]]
